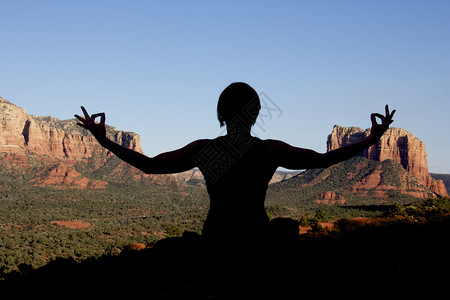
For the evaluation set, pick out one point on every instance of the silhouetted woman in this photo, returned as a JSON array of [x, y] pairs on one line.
[[237, 167]]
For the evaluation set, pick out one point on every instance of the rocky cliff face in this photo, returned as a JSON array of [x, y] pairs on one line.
[[396, 144], [49, 136], [55, 145]]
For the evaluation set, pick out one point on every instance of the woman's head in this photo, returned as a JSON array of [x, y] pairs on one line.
[[238, 101]]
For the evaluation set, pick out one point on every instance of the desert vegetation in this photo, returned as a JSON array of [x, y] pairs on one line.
[[40, 224]]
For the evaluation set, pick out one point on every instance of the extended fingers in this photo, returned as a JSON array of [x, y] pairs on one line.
[[392, 113], [86, 118], [388, 117], [84, 121], [86, 115], [79, 118]]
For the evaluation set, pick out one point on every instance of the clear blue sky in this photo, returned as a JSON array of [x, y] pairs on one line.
[[157, 67]]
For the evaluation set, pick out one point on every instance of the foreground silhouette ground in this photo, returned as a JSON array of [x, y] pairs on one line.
[[401, 261]]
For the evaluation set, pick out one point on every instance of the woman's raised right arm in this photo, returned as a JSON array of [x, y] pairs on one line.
[[165, 163]]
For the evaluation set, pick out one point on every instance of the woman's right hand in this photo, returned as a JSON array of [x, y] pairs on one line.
[[88, 122]]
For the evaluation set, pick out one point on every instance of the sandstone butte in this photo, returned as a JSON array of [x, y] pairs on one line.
[[396, 144]]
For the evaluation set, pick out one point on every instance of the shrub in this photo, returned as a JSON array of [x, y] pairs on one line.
[[174, 231]]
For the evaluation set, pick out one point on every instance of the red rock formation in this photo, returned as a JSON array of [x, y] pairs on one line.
[[135, 247], [329, 197], [50, 141], [49, 136], [397, 144], [67, 177]]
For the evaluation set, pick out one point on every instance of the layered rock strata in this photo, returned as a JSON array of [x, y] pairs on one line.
[[396, 144], [50, 148], [21, 132]]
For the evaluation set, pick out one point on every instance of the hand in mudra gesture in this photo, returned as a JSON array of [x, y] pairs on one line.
[[377, 130], [88, 122]]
